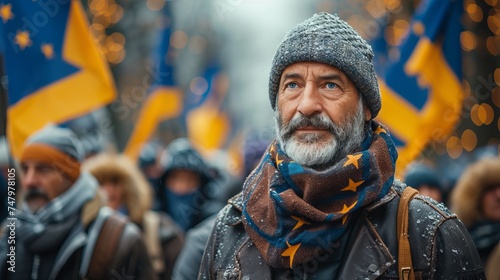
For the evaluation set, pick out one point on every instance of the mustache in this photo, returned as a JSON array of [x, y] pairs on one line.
[[36, 193], [298, 121]]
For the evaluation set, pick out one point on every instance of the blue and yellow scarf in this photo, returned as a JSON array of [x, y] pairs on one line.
[[291, 211]]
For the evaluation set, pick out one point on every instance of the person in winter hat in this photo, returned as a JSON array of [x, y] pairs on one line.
[[476, 201], [128, 192], [426, 180], [189, 260], [323, 201], [62, 220], [188, 189]]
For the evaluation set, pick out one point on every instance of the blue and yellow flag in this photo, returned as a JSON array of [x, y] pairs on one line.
[[421, 92], [165, 99], [208, 125], [54, 70]]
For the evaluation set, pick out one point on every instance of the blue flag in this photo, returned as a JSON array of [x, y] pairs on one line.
[[421, 91], [165, 99], [54, 70]]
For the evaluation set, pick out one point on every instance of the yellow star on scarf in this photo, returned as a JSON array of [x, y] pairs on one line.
[[347, 208], [380, 129], [6, 12], [344, 219], [47, 50], [290, 252], [352, 185], [22, 39], [278, 161], [353, 160], [300, 222]]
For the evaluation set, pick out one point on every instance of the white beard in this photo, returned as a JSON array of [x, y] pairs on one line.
[[314, 151]]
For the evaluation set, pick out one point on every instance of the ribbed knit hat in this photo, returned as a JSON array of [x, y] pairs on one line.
[[55, 146], [325, 38]]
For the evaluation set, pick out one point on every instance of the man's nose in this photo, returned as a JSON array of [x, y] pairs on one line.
[[310, 102], [29, 179]]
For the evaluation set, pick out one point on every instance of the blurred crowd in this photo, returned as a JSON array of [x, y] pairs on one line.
[[172, 194]]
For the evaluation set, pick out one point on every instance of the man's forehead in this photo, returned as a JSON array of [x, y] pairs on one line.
[[302, 67]]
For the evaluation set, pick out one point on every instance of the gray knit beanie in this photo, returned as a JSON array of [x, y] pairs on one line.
[[325, 38]]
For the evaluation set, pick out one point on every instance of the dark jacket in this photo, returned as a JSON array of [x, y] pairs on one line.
[[129, 261], [188, 263], [440, 246], [466, 202]]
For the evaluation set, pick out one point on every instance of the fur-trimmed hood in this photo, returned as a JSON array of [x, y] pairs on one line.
[[137, 190], [466, 195]]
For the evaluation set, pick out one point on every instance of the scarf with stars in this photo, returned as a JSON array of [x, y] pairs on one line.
[[293, 213]]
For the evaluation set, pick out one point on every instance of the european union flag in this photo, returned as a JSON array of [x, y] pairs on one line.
[[421, 92], [165, 99], [54, 70]]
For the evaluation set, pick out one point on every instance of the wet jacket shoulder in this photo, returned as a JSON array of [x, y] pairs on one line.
[[440, 245]]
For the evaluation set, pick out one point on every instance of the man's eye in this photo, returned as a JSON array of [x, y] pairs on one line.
[[331, 85], [291, 85], [45, 169]]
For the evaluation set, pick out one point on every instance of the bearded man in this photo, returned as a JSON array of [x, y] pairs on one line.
[[323, 202]]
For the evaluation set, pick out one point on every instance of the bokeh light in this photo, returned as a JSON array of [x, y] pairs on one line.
[[474, 11], [454, 147], [482, 114], [495, 96], [494, 23], [492, 44], [375, 8], [496, 76], [392, 5], [418, 28], [492, 3], [198, 85], [468, 40], [178, 39], [469, 140], [155, 5]]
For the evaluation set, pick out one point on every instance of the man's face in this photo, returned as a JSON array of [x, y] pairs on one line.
[[182, 181], [431, 192], [320, 116], [115, 192], [491, 203], [41, 183]]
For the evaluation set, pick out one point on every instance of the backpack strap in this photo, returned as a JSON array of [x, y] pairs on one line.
[[405, 265], [151, 226], [105, 247]]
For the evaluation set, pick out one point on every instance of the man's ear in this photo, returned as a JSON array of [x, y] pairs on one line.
[[368, 113]]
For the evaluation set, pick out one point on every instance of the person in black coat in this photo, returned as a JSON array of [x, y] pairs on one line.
[[188, 186]]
